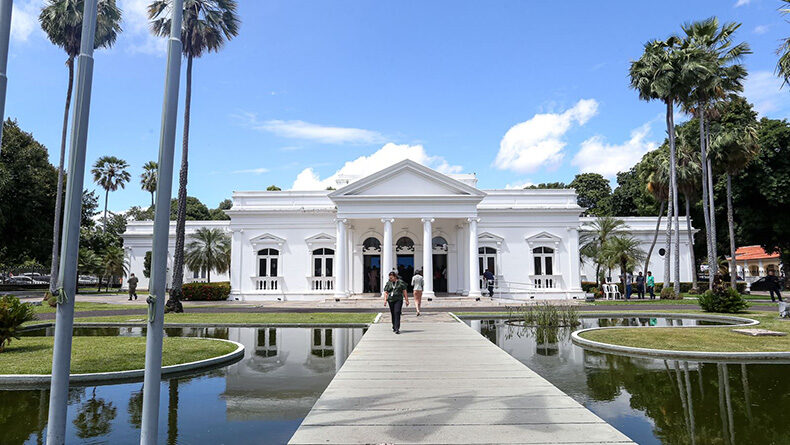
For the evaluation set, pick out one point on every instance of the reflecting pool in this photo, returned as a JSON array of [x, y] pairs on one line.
[[657, 401], [260, 399]]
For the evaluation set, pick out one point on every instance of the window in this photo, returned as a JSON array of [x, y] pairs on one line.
[[486, 259], [267, 262], [662, 251], [266, 346], [439, 244], [544, 260], [322, 343], [404, 244], [371, 245], [323, 262]]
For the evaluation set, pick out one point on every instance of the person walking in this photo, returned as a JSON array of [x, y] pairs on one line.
[[640, 286], [774, 286], [651, 285], [132, 281], [395, 294], [417, 283], [628, 281], [489, 277]]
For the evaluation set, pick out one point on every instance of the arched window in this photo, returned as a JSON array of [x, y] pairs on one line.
[[371, 245], [323, 260], [486, 259], [268, 260], [543, 260], [404, 245], [439, 244]]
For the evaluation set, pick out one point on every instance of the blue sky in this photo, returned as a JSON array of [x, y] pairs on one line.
[[516, 91]]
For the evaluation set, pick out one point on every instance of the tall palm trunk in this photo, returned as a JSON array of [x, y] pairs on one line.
[[655, 236], [178, 257], [106, 198], [705, 209], [152, 199], [731, 226], [674, 180], [672, 208], [172, 413], [668, 243], [691, 242], [53, 269], [712, 207]]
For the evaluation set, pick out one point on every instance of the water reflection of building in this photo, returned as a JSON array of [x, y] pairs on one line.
[[284, 370]]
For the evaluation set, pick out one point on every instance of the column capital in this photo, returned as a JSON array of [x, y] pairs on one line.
[[427, 220], [388, 220], [341, 220], [473, 219]]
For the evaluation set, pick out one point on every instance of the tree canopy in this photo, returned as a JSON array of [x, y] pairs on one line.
[[593, 193]]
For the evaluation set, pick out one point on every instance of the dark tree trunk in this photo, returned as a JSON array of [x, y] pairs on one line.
[[670, 201], [172, 412], [106, 198], [731, 226], [655, 236], [53, 269], [675, 210], [705, 191], [174, 303], [152, 199]]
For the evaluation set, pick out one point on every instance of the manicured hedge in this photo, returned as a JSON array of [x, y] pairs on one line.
[[684, 286], [206, 291]]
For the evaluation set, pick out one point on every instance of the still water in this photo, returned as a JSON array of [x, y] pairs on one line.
[[263, 398], [657, 401]]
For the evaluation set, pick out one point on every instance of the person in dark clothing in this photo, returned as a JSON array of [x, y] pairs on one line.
[[489, 277], [132, 287], [640, 286], [395, 292], [775, 286]]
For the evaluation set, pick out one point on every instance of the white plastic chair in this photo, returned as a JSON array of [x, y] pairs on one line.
[[611, 290]]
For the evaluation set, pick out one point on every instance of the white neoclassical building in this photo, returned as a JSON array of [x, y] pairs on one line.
[[313, 245]]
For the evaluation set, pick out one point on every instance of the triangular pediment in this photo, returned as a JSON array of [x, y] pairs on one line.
[[407, 178], [320, 238], [267, 239], [543, 237], [489, 237]]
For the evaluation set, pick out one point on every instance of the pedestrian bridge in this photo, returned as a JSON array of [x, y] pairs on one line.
[[442, 382]]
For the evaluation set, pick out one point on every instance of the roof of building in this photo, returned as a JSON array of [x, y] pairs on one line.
[[753, 253]]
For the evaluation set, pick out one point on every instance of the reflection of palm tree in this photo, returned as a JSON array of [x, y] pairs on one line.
[[172, 412], [94, 417], [135, 409]]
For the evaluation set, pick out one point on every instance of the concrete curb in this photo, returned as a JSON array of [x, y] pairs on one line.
[[101, 378], [758, 357], [112, 324], [378, 317]]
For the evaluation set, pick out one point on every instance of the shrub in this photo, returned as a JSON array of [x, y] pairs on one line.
[[722, 299], [668, 293], [206, 291], [587, 286], [12, 314], [597, 293]]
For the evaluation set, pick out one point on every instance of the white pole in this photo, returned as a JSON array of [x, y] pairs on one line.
[[6, 7], [67, 279], [158, 282], [474, 272], [427, 257]]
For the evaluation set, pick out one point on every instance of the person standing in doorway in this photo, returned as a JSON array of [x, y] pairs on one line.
[[651, 285], [489, 277], [417, 283], [774, 286], [640, 286], [395, 293], [132, 282]]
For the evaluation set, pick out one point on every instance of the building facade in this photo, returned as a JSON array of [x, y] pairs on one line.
[[295, 245]]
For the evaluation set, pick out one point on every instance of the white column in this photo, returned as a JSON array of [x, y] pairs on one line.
[[427, 256], [340, 259], [386, 251], [574, 274], [460, 260], [236, 252], [474, 273], [350, 260]]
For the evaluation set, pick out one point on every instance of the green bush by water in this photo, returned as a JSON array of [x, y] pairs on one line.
[[12, 314], [206, 291], [722, 299], [545, 315]]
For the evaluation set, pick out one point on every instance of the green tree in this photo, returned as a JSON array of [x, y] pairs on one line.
[[90, 202], [147, 264], [28, 183], [219, 213], [61, 20], [725, 76], [783, 65], [148, 178], [273, 188], [761, 192], [594, 237], [593, 193], [623, 250], [194, 210], [88, 263], [689, 173], [111, 174], [209, 250], [94, 418], [115, 265], [547, 185], [207, 25], [656, 179]]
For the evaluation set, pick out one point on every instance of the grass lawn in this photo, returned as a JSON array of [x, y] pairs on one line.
[[705, 339], [243, 318], [33, 355], [88, 306]]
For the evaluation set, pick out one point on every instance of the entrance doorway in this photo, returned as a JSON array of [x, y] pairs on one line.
[[372, 277], [440, 272], [406, 269]]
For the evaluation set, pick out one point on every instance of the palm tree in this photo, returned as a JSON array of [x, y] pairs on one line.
[[61, 20], [207, 25], [725, 77], [689, 170], [783, 66], [209, 250], [111, 174], [88, 263], [114, 264], [663, 72], [148, 178], [734, 147], [625, 251], [595, 236]]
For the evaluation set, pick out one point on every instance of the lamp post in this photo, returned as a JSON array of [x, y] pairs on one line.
[[5, 34], [67, 279], [158, 282]]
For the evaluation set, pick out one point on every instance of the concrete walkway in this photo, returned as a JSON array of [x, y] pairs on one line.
[[442, 382]]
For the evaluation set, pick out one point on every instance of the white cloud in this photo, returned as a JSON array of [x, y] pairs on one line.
[[596, 156], [742, 3], [539, 141], [761, 29], [256, 171], [136, 31], [24, 19], [387, 155], [519, 185], [764, 90], [297, 129]]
